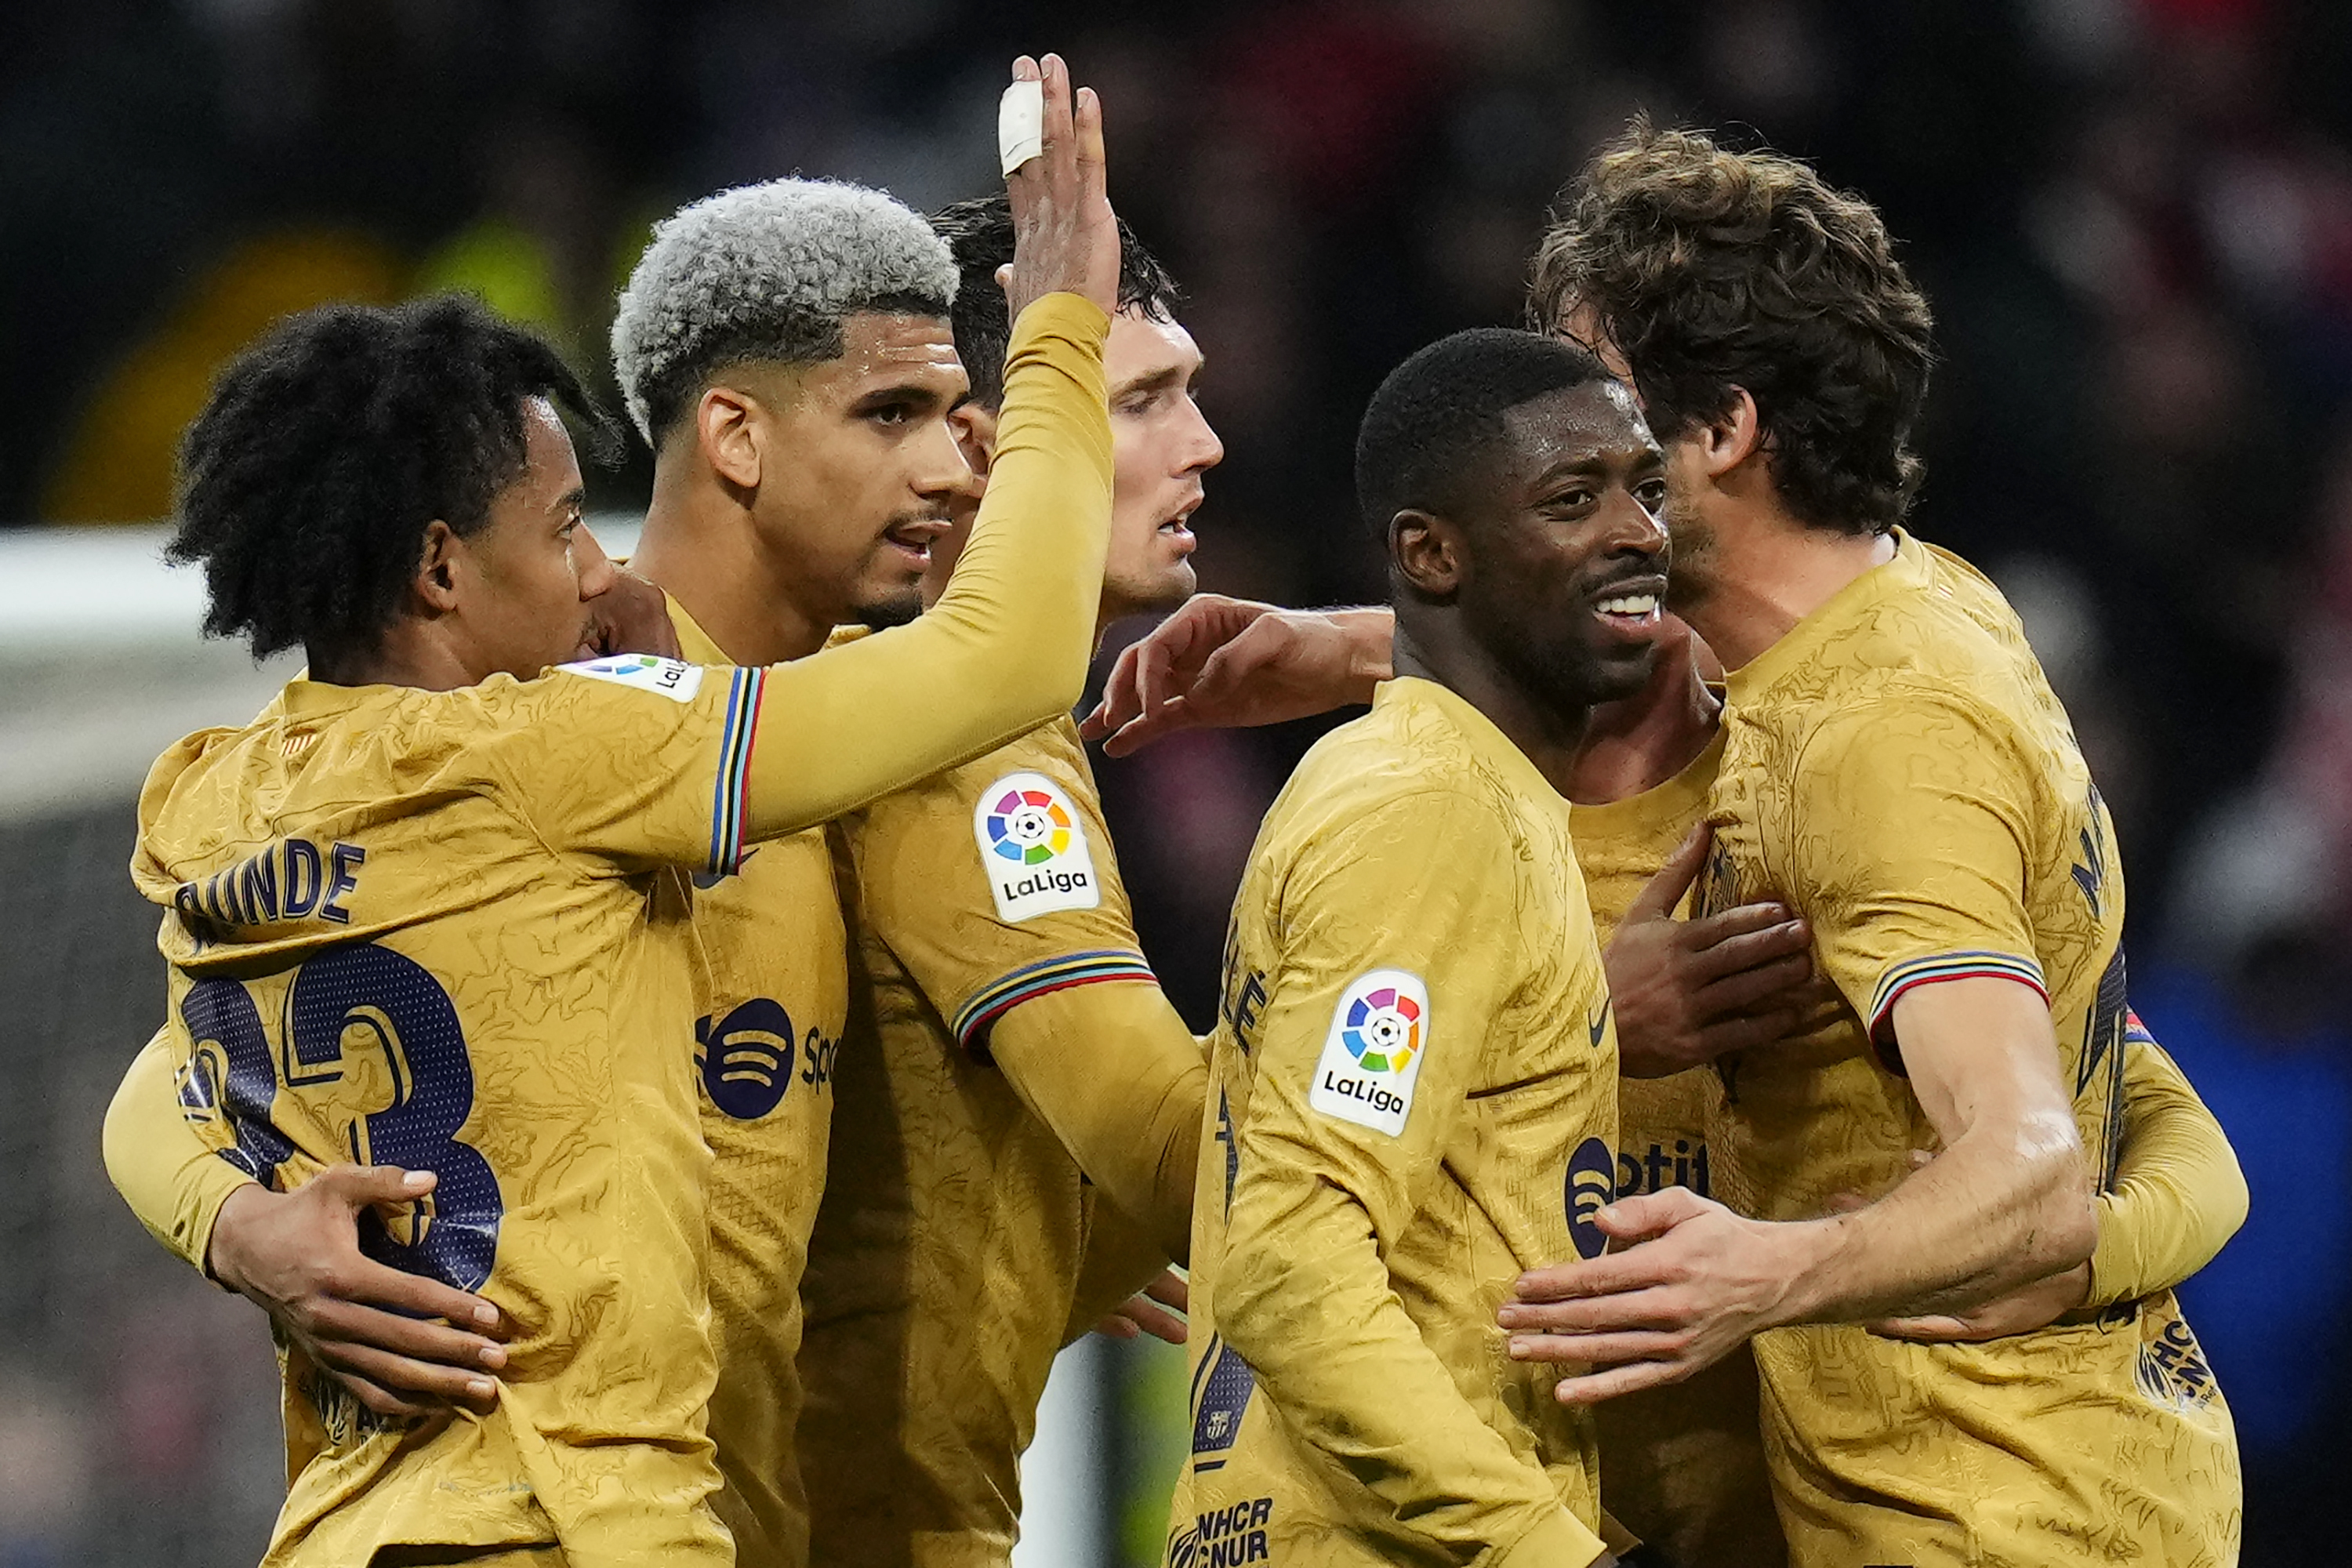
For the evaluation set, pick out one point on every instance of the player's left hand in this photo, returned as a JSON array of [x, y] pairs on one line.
[[1693, 1282], [1155, 1312], [630, 616], [1687, 992]]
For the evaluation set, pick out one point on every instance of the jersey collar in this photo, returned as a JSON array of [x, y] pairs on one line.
[[1486, 740], [1909, 571]]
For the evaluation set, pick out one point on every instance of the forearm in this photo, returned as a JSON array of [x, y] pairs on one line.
[[1999, 1209], [174, 1180], [1006, 646], [1114, 1073], [1120, 1259], [1303, 1297], [2179, 1194]]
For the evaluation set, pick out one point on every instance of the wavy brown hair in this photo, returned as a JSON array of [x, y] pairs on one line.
[[1711, 270]]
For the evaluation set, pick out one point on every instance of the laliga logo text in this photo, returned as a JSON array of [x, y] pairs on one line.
[[1033, 849], [1373, 1055]]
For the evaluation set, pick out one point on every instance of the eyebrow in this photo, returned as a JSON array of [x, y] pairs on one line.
[[1594, 458], [573, 499], [903, 392]]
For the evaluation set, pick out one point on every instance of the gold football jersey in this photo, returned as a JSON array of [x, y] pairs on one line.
[[1682, 1466], [1897, 769], [947, 1257], [771, 995], [430, 929], [1413, 1100]]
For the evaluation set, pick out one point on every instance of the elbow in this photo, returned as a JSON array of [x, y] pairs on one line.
[[2228, 1197]]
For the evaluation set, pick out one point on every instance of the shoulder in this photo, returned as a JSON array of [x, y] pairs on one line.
[[1049, 761]]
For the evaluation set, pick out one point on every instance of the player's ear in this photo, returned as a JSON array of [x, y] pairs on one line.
[[1426, 551], [435, 582], [1732, 437], [974, 429], [726, 427]]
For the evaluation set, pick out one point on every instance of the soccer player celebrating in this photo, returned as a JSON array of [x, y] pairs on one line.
[[435, 867], [1012, 1063], [1414, 1073], [1894, 765]]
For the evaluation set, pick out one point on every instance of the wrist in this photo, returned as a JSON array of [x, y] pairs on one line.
[[1371, 641], [1809, 1255], [222, 1263]]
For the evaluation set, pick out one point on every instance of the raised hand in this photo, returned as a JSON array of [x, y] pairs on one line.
[[363, 1324], [1687, 992], [1220, 663], [1064, 238]]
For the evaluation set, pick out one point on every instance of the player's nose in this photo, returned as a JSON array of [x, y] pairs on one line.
[[589, 562]]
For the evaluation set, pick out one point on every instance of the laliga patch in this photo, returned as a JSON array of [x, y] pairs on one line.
[[1033, 849], [671, 677], [1380, 1032]]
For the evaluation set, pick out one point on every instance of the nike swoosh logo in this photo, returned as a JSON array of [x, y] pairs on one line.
[[706, 881], [1600, 1024]]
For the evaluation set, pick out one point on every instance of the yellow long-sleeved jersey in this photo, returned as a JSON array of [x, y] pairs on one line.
[[439, 929], [946, 1261], [1897, 769], [1412, 1099]]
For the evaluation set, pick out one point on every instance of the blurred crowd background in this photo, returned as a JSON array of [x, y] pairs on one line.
[[2133, 218]]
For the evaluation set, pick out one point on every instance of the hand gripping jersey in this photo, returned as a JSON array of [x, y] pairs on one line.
[[771, 998], [947, 1258], [426, 929], [1897, 768], [1413, 1100], [1682, 1466]]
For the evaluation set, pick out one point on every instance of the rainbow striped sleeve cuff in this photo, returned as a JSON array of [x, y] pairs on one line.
[[1949, 966], [734, 770], [999, 996]]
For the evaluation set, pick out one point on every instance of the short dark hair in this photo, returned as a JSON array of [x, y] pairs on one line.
[[307, 482], [1438, 414], [1711, 270], [979, 232]]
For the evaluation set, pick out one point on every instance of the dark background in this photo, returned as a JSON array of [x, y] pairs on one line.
[[2133, 218]]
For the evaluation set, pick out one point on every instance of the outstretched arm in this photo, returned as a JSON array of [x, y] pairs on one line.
[[1114, 1073], [1220, 663], [1006, 648]]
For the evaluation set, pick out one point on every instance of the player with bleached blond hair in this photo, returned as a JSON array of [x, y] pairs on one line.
[[482, 967]]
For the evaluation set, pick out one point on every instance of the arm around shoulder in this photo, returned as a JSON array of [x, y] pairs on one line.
[[2179, 1194]]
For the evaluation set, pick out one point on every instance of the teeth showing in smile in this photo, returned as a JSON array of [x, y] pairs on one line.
[[1630, 604]]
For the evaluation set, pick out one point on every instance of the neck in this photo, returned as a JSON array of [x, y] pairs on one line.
[[408, 656], [1639, 742], [702, 547], [1765, 572], [1548, 733]]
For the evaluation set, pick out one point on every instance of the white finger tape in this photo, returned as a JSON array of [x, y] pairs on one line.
[[1021, 124]]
